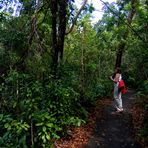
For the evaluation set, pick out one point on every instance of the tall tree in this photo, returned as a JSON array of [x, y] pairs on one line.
[[121, 46], [59, 13]]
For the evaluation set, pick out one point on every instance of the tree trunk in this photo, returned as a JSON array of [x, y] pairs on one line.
[[58, 11], [53, 7], [121, 46], [62, 27], [59, 19]]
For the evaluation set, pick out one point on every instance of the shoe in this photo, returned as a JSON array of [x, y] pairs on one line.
[[119, 110]]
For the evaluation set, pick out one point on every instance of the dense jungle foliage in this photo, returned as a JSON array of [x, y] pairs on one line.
[[54, 65]]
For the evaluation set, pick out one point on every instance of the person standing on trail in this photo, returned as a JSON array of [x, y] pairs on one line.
[[117, 93]]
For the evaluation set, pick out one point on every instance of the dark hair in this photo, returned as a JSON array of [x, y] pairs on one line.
[[118, 70]]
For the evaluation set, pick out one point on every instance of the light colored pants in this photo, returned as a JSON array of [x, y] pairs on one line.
[[117, 97]]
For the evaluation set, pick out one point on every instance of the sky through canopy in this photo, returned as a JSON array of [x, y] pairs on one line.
[[14, 7], [98, 5]]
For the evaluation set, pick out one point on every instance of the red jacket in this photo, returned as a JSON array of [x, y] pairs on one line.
[[121, 87]]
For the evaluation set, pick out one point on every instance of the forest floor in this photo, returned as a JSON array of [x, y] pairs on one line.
[[107, 130]]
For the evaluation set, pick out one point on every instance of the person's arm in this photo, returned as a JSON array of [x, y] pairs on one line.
[[111, 78], [116, 79]]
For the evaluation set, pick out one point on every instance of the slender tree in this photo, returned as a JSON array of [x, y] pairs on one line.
[[122, 44]]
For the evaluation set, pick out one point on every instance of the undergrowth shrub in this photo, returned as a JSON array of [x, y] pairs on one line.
[[143, 96], [35, 113]]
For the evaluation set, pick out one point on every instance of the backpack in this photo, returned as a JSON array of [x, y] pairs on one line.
[[121, 87]]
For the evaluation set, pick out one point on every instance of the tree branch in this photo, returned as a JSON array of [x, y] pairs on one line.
[[76, 17], [128, 23]]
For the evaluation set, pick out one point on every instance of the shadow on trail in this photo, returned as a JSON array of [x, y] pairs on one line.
[[115, 131]]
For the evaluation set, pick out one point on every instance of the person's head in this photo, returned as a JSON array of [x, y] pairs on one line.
[[118, 70]]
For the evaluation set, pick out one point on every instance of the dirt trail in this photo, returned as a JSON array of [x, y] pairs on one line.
[[115, 131]]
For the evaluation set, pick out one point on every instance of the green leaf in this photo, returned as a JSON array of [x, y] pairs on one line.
[[44, 138], [44, 129], [6, 125], [49, 124], [91, 8], [79, 123], [40, 133], [1, 117], [39, 124], [48, 137]]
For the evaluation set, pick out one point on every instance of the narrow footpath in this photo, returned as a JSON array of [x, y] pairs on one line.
[[104, 129], [115, 131]]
